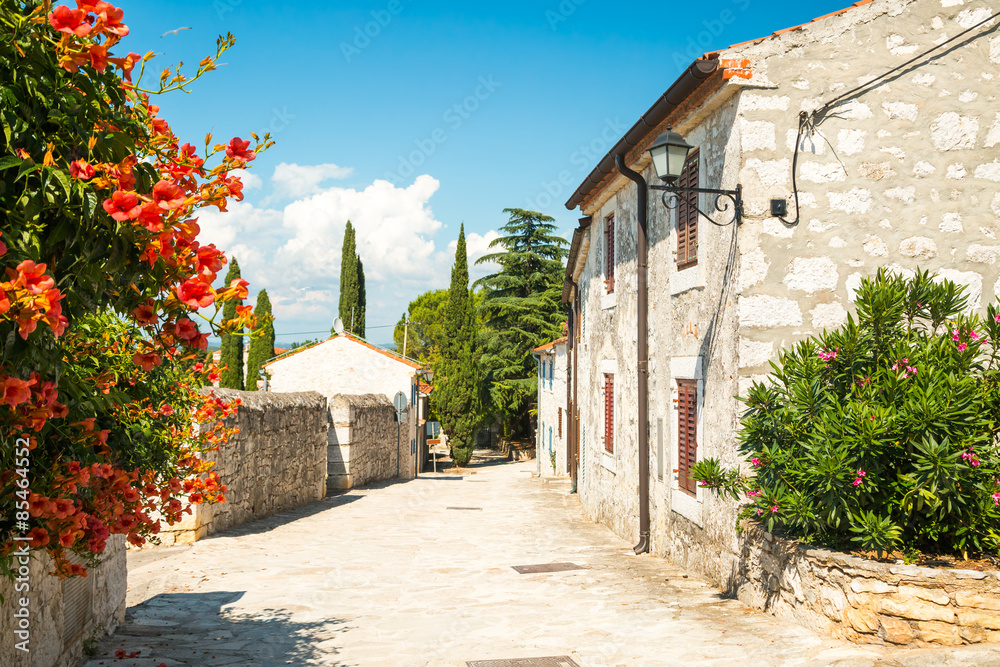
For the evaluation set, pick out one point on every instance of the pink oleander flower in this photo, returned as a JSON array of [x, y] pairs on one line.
[[756, 462], [971, 457], [860, 477], [702, 482], [962, 346], [759, 512], [752, 494], [973, 335], [954, 335], [827, 355], [774, 509], [996, 318], [996, 498]]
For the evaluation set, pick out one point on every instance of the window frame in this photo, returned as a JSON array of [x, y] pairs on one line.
[[609, 413]]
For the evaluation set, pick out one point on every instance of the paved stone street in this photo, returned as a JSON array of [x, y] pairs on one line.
[[390, 575]]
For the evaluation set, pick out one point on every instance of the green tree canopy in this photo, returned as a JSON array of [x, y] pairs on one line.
[[456, 396], [428, 315], [231, 359], [521, 309], [359, 319], [262, 344]]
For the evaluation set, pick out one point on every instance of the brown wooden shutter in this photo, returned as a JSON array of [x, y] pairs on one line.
[[609, 413], [609, 252], [687, 214], [687, 434], [560, 422]]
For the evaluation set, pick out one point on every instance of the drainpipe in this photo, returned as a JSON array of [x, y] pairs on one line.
[[571, 457], [643, 356], [538, 410]]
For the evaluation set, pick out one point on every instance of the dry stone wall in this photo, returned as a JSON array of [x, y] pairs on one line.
[[276, 462], [63, 613], [866, 601], [363, 445]]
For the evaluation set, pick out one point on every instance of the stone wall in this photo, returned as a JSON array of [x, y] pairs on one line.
[[276, 462], [363, 445], [865, 601], [57, 633]]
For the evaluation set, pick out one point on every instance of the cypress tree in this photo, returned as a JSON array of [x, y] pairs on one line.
[[456, 394], [231, 359], [359, 326], [262, 344], [348, 279]]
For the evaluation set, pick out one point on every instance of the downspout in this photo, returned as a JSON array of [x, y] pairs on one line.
[[538, 409], [643, 353], [571, 457]]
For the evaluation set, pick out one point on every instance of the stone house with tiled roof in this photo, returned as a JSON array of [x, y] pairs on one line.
[[878, 127], [553, 416]]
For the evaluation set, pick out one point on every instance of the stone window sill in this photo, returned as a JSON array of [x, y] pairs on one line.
[[608, 462], [609, 300], [686, 279]]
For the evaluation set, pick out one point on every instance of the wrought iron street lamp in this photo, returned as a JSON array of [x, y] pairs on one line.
[[669, 153]]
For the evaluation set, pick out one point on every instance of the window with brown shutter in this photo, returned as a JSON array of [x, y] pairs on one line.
[[609, 253], [609, 413], [687, 214], [560, 422], [687, 434]]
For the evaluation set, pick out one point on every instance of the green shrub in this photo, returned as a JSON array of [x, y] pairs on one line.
[[882, 434]]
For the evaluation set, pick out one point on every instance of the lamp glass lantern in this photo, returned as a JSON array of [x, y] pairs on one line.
[[669, 152]]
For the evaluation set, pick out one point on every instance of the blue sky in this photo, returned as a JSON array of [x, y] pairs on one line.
[[411, 117]]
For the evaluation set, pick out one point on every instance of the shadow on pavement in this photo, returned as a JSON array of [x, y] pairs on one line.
[[286, 516], [198, 629]]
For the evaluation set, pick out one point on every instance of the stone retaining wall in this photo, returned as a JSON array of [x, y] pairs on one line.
[[57, 630], [865, 601], [276, 462], [363, 442]]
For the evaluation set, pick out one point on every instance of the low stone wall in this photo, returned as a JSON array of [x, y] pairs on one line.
[[63, 613], [363, 442], [276, 462], [865, 601]]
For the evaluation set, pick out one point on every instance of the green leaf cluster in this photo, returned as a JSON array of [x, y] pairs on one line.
[[883, 433]]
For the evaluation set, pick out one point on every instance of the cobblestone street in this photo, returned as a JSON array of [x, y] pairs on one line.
[[420, 574]]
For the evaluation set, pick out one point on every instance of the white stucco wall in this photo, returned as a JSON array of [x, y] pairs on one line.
[[552, 400], [341, 365]]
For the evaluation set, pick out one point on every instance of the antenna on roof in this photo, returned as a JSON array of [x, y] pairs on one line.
[[338, 326]]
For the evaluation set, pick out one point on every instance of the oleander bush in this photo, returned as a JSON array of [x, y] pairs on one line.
[[882, 434]]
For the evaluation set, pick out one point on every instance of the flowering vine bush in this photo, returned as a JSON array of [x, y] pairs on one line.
[[102, 286], [882, 433]]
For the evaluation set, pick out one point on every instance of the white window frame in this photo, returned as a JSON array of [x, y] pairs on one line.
[[685, 368]]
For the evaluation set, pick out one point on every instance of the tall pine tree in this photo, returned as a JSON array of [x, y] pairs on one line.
[[521, 309], [262, 344], [456, 394], [231, 359], [359, 320]]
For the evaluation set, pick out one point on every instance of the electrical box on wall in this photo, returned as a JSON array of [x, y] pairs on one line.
[[779, 208]]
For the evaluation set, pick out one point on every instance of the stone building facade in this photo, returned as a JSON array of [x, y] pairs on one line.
[[899, 170], [553, 417]]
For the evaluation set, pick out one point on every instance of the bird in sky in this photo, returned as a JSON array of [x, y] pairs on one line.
[[174, 32]]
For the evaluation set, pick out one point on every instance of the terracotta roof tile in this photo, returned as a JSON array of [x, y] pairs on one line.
[[797, 27], [549, 346]]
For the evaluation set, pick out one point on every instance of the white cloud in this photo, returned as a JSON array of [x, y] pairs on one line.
[[292, 180], [294, 252], [250, 180]]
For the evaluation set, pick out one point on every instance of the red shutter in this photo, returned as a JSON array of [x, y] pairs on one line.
[[609, 252], [687, 433], [609, 413], [687, 214]]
